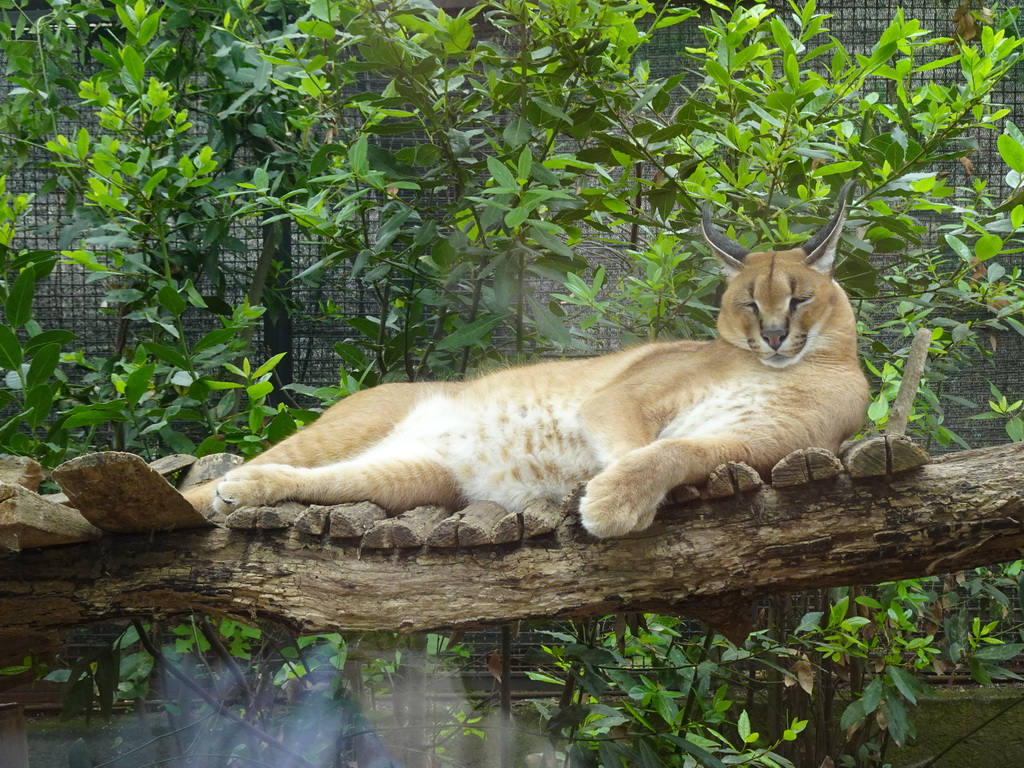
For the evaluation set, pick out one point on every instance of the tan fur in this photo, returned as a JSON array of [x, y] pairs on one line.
[[635, 423]]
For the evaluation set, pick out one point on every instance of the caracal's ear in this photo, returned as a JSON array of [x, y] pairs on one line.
[[729, 252], [821, 247]]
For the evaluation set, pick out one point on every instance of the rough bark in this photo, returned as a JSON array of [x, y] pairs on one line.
[[710, 558]]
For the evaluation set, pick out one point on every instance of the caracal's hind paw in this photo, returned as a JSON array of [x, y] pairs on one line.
[[253, 485]]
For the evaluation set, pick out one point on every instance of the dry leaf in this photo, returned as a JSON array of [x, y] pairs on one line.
[[868, 631], [804, 674], [843, 673], [883, 724], [494, 666], [966, 27], [620, 633], [940, 666], [827, 763], [968, 165]]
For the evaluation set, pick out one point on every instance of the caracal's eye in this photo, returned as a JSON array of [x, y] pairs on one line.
[[752, 307], [797, 301]]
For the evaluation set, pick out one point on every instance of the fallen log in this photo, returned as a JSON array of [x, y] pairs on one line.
[[711, 558]]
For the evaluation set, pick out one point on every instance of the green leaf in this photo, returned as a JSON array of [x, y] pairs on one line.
[[705, 758], [648, 757], [357, 157], [1015, 429], [282, 425], [10, 350], [809, 622], [153, 182], [666, 707], [138, 383], [501, 174], [19, 299], [171, 300], [212, 444], [551, 109], [214, 384], [133, 65], [166, 354], [39, 402], [852, 715], [612, 754], [988, 246], [517, 132], [525, 163], [82, 144], [58, 337], [44, 363], [352, 355], [516, 217], [215, 337], [268, 366], [553, 329], [1003, 652], [260, 389], [959, 247], [148, 28], [743, 726], [834, 168], [1011, 151], [461, 33], [907, 684], [838, 611], [317, 28], [472, 333], [94, 413], [878, 408], [256, 420]]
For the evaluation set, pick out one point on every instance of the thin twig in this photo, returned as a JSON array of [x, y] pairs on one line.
[[189, 683], [225, 656], [970, 733]]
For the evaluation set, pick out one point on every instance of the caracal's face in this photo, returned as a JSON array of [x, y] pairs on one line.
[[778, 307]]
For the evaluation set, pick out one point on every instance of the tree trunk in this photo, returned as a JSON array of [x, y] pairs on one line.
[[709, 558]]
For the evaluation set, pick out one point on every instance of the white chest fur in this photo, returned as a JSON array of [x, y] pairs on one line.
[[729, 409]]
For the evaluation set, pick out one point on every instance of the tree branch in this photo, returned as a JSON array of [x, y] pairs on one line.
[[709, 558]]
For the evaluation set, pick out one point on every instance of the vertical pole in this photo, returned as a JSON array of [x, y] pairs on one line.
[[277, 322], [506, 696], [13, 737]]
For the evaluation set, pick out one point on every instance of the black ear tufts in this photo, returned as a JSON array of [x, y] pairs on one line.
[[823, 235], [718, 240]]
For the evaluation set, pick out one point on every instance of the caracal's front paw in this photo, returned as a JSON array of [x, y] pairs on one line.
[[611, 507], [253, 485]]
